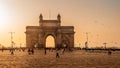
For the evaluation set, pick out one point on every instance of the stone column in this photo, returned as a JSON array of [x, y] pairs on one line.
[[28, 39], [41, 40], [59, 39]]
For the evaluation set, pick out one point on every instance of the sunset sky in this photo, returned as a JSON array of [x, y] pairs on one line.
[[101, 18]]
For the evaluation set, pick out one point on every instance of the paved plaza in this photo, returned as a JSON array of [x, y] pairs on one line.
[[75, 59]]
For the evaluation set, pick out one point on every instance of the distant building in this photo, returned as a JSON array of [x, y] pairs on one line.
[[36, 35]]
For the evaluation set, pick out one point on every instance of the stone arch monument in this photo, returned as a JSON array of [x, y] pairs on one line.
[[63, 35]]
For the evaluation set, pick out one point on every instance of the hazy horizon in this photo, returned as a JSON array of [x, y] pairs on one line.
[[98, 17]]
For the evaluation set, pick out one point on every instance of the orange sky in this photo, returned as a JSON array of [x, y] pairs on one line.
[[99, 17]]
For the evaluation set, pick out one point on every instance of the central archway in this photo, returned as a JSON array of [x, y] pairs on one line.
[[50, 42]]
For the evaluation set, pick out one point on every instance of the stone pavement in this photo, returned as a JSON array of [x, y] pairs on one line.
[[75, 59]]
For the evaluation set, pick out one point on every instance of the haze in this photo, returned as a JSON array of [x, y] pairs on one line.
[[101, 18]]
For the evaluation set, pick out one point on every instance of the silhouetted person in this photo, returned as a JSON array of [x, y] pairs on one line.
[[12, 53], [51, 49], [70, 49], [19, 49], [29, 51], [86, 45], [32, 50], [23, 50], [45, 51], [57, 54], [63, 50], [109, 52]]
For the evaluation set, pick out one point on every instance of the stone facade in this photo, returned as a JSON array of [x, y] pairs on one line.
[[36, 35]]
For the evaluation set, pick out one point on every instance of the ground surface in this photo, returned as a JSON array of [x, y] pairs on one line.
[[75, 59]]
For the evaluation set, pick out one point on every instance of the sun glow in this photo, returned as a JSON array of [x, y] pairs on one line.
[[4, 20], [100, 18]]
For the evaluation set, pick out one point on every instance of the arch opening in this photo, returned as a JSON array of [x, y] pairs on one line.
[[50, 42]]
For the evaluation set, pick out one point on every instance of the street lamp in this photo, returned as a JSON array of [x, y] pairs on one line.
[[12, 43], [86, 43], [104, 44]]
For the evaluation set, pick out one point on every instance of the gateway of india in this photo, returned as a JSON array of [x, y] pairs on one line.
[[63, 35]]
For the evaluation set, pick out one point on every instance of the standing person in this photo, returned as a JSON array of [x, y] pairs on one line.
[[86, 45], [57, 53], [45, 51], [109, 52], [12, 53], [29, 51], [63, 50], [32, 50]]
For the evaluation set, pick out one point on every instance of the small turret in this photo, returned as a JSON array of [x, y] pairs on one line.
[[40, 18], [59, 18]]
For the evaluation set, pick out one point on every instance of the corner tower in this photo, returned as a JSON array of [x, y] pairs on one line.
[[59, 18], [50, 23]]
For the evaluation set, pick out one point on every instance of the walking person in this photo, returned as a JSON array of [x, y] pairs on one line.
[[63, 50], [57, 54], [12, 53], [32, 50], [29, 51], [45, 51]]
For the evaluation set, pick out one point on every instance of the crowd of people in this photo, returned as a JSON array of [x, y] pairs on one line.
[[58, 51], [31, 51]]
